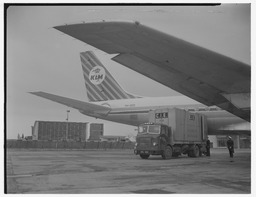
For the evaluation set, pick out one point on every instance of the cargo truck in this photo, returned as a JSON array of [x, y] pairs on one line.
[[170, 133]]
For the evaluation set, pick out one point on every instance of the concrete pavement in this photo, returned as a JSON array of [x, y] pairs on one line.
[[120, 171]]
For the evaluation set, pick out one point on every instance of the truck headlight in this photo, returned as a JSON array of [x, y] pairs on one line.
[[155, 144]]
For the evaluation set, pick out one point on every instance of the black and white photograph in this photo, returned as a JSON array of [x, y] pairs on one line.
[[127, 98]]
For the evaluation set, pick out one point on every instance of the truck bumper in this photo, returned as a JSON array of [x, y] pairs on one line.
[[147, 152]]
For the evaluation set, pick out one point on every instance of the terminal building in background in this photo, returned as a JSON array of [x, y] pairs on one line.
[[96, 131], [59, 131], [240, 141], [68, 131], [83, 131]]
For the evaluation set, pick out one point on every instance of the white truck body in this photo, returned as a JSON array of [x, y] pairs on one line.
[[187, 127], [171, 132]]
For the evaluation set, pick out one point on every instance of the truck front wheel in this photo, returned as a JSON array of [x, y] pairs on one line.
[[167, 153], [144, 156]]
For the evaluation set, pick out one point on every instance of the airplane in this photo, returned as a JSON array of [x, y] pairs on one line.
[[109, 101], [201, 74]]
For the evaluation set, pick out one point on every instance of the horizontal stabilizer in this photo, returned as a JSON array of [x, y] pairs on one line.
[[85, 107]]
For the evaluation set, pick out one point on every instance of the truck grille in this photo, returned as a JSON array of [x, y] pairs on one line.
[[145, 142]]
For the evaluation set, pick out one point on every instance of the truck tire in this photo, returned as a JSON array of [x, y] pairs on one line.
[[200, 152], [194, 151], [175, 154], [144, 156], [167, 153]]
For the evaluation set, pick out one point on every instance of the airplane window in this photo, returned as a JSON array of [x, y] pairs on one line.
[[213, 109], [201, 109]]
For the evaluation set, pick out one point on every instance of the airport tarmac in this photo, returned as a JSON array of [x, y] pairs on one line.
[[120, 171]]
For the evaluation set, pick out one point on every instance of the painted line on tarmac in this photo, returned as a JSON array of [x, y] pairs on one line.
[[19, 175]]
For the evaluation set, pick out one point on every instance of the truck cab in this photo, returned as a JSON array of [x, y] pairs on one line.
[[153, 139]]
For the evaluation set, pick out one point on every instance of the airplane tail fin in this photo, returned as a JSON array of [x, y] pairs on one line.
[[100, 84]]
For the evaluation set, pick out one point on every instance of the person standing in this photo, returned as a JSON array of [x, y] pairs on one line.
[[208, 146], [230, 145]]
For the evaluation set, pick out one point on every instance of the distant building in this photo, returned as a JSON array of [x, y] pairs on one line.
[[59, 131], [240, 141], [96, 131]]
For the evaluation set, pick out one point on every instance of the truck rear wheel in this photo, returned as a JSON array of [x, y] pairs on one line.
[[175, 154], [144, 156], [200, 152], [167, 153], [194, 151]]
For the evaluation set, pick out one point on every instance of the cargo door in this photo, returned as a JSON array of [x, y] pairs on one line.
[[203, 127], [193, 131], [178, 124]]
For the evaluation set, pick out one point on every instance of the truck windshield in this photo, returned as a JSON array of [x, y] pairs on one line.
[[155, 129], [143, 129]]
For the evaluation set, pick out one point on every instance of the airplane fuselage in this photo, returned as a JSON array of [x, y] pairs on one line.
[[135, 111]]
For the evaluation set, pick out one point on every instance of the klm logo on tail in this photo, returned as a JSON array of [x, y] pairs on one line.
[[100, 84], [97, 75]]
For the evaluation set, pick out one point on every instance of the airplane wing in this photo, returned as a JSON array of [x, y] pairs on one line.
[[83, 107], [203, 75]]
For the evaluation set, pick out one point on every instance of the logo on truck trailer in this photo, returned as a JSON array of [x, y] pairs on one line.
[[161, 115], [191, 117]]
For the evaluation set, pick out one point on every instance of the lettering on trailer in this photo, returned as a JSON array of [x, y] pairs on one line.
[[191, 117], [97, 75], [161, 115]]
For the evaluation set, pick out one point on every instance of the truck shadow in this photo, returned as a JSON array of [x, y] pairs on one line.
[[156, 158]]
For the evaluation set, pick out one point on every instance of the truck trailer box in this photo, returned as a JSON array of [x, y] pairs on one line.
[[186, 126]]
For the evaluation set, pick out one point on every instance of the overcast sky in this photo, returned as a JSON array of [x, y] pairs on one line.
[[40, 58]]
